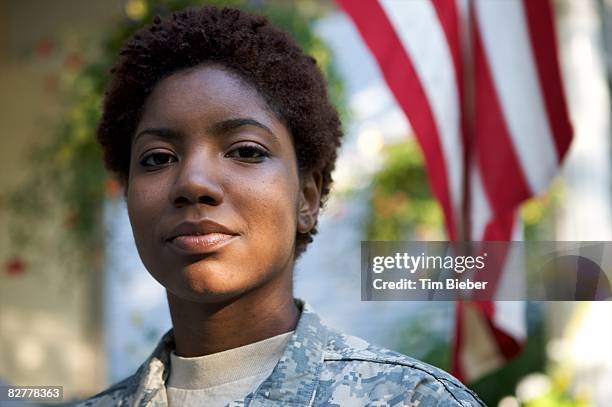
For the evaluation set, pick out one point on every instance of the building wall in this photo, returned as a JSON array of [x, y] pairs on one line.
[[49, 316]]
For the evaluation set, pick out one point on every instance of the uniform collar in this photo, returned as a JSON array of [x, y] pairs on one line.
[[293, 380]]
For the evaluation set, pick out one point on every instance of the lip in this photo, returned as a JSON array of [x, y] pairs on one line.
[[200, 244], [201, 237]]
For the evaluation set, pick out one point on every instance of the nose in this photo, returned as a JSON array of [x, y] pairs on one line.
[[197, 182]]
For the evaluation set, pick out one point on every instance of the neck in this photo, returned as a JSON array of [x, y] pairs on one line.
[[206, 328]]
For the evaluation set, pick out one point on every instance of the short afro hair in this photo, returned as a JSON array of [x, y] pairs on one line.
[[246, 44]]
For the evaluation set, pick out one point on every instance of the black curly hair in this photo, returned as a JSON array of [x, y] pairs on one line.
[[246, 44]]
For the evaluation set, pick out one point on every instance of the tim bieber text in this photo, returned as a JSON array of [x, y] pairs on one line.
[[429, 284]]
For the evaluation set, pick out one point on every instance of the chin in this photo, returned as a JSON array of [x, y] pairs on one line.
[[206, 297], [205, 293], [204, 284]]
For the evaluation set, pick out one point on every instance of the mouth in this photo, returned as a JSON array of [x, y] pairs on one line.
[[201, 237], [200, 244]]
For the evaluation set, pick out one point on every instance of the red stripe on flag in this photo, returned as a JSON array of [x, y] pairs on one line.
[[457, 346], [507, 345], [448, 15], [500, 228], [541, 30], [398, 70], [504, 182]]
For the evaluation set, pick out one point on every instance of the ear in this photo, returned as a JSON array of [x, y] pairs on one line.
[[308, 206]]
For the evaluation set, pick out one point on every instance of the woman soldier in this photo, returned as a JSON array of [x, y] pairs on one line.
[[221, 131]]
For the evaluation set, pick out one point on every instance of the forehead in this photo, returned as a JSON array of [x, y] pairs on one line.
[[205, 92]]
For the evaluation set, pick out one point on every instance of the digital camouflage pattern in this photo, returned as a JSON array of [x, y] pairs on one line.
[[319, 367]]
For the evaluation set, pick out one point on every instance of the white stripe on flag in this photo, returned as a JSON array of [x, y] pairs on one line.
[[420, 32], [509, 316], [480, 210], [503, 29]]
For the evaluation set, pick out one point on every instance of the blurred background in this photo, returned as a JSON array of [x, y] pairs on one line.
[[78, 309]]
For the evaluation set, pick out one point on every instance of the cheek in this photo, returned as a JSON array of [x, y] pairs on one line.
[[142, 206], [271, 209]]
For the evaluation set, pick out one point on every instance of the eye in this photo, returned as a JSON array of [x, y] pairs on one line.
[[248, 153], [157, 159]]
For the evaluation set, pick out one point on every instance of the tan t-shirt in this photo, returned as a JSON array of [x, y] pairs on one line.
[[220, 378]]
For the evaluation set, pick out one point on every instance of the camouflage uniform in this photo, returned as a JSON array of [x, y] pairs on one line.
[[319, 367]]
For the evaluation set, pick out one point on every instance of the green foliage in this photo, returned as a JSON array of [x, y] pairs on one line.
[[67, 178], [557, 398], [539, 214], [417, 338], [401, 205]]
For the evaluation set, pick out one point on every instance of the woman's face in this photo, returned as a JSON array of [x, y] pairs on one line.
[[214, 196]]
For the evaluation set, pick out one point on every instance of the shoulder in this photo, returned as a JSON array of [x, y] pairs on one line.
[[143, 386], [356, 372], [119, 394]]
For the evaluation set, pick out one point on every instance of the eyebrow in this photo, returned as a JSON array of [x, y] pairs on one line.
[[231, 124], [221, 127]]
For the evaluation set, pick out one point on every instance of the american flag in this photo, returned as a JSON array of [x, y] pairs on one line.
[[480, 84]]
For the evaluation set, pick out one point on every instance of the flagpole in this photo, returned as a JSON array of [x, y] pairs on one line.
[[467, 122]]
